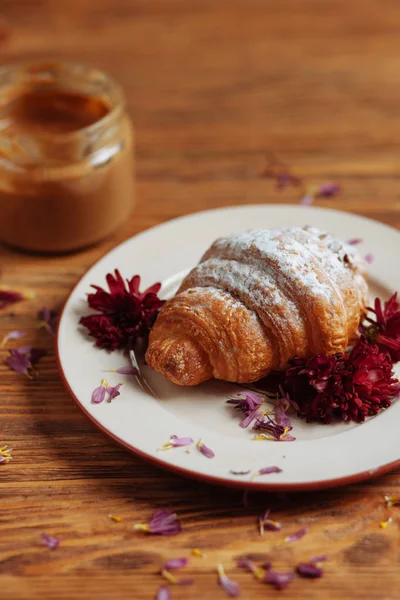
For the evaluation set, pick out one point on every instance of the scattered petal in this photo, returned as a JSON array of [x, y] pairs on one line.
[[228, 585], [279, 580], [205, 450], [176, 563], [354, 241], [392, 501], [280, 173], [5, 455], [163, 593], [50, 541], [99, 393], [115, 519], [176, 442], [197, 552], [113, 391], [307, 199], [369, 258], [327, 189], [384, 524], [240, 472], [49, 319], [267, 471], [309, 570], [163, 522], [22, 360], [318, 558], [267, 524], [247, 564], [297, 535], [186, 581], [13, 335]]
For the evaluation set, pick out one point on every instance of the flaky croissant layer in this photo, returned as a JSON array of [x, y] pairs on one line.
[[256, 300]]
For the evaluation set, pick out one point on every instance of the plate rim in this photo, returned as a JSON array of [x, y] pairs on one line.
[[202, 476]]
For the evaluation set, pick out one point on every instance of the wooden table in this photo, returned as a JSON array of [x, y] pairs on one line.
[[214, 87]]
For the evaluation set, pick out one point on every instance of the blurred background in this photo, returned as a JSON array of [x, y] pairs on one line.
[[216, 86]]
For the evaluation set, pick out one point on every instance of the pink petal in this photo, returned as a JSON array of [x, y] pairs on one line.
[[113, 391], [369, 258], [279, 580], [309, 570], [297, 536], [268, 470], [128, 370], [231, 587], [307, 199], [50, 541], [13, 335], [181, 441], [176, 563], [99, 394], [205, 450], [163, 593], [354, 241]]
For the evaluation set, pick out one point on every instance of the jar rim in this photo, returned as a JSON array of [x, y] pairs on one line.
[[68, 67]]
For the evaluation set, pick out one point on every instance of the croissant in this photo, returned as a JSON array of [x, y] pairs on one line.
[[256, 300]]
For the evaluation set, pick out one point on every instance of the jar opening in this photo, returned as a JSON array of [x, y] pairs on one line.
[[45, 107]]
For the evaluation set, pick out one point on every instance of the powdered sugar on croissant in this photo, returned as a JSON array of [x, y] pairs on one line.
[[256, 300]]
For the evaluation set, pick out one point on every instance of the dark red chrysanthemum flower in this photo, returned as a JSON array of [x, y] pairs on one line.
[[126, 314], [385, 331], [346, 387]]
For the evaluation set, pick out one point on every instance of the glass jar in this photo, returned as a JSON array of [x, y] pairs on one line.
[[66, 156]]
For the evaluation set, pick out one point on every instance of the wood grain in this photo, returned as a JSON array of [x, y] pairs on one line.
[[213, 87]]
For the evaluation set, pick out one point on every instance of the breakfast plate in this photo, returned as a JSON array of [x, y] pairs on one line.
[[142, 422]]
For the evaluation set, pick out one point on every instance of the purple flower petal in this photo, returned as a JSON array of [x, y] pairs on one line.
[[328, 189], [231, 587], [176, 563], [266, 523], [163, 522], [99, 393], [113, 391], [240, 472], [354, 241], [13, 335], [49, 319], [247, 564], [281, 417], [369, 258], [297, 536], [309, 570], [205, 450], [318, 558], [50, 541], [163, 593], [279, 580], [267, 471], [185, 581], [245, 498], [254, 414], [18, 362], [307, 200], [181, 441]]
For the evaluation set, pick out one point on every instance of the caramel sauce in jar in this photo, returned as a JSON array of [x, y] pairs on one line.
[[66, 157]]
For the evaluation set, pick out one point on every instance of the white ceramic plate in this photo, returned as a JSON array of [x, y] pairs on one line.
[[322, 455]]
